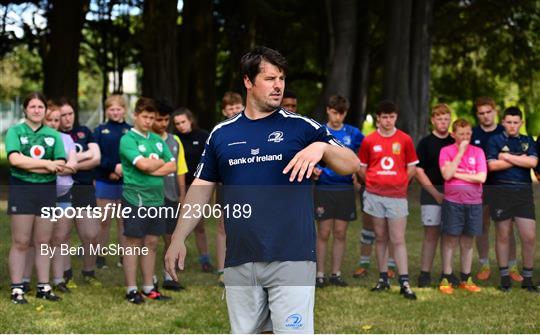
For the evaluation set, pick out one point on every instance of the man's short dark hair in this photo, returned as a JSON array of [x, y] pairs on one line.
[[339, 103], [145, 105], [163, 107], [513, 111], [387, 107], [289, 95], [250, 64]]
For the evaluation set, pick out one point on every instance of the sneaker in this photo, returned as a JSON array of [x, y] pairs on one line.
[[391, 273], [337, 281], [221, 280], [101, 263], [515, 275], [71, 284], [120, 262], [62, 288], [207, 267], [172, 285], [424, 280], [381, 286], [407, 292], [445, 287], [92, 281], [360, 272], [155, 295], [17, 296], [134, 297], [484, 273], [321, 282], [47, 294], [26, 287], [470, 286], [454, 280]]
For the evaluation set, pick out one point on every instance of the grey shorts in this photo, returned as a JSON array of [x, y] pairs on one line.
[[275, 296], [431, 215], [385, 207], [461, 219]]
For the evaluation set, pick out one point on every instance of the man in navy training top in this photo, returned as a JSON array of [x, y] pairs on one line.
[[264, 157], [511, 156]]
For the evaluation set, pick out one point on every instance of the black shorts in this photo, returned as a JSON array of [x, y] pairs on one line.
[[509, 202], [170, 221], [83, 195], [139, 226], [461, 219], [28, 198], [335, 204]]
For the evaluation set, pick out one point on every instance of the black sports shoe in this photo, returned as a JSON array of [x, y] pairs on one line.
[[17, 296], [46, 293], [452, 279], [172, 285], [321, 282], [337, 281], [101, 263], [62, 288], [26, 287], [407, 292], [135, 297], [155, 295], [424, 280], [381, 286], [531, 288]]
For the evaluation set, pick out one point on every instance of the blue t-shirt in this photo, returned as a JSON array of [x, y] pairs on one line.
[[107, 136], [248, 157], [521, 145], [350, 137], [480, 138]]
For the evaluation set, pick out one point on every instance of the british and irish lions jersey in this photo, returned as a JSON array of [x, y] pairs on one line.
[[387, 159], [248, 157], [43, 143], [350, 137], [141, 189]]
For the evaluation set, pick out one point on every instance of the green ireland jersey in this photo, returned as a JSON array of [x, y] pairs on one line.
[[141, 189], [43, 143]]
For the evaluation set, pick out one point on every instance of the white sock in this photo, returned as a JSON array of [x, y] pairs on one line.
[[57, 281], [512, 263], [166, 276], [148, 288], [320, 274], [26, 280], [484, 261], [131, 288]]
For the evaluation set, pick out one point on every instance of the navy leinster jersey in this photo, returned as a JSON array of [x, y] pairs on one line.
[[248, 157]]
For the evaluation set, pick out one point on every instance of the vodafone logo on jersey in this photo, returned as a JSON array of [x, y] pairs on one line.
[[387, 164], [37, 151]]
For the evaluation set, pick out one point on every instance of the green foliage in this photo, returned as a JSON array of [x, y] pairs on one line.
[[20, 73]]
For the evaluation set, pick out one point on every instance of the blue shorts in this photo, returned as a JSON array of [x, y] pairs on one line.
[[461, 219], [108, 191]]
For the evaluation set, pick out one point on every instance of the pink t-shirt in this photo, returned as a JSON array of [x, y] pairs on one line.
[[472, 162]]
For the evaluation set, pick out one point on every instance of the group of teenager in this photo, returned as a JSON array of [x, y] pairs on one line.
[[57, 163], [468, 175]]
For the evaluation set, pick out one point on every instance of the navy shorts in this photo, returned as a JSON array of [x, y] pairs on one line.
[[83, 195], [138, 225], [108, 191], [170, 221], [28, 198], [337, 204], [509, 202], [461, 219]]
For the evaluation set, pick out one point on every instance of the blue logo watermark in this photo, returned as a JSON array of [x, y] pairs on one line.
[[294, 321]]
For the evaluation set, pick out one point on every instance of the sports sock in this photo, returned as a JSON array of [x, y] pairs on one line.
[[391, 262], [68, 274], [465, 276], [166, 276], [320, 275], [131, 288], [403, 279], [26, 280], [484, 261], [204, 259], [383, 276], [365, 261], [57, 281], [527, 274], [337, 274], [505, 276], [425, 274], [148, 288], [512, 262], [154, 279]]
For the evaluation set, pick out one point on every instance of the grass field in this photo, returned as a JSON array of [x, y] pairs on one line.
[[201, 308]]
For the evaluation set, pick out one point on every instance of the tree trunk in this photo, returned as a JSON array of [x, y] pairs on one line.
[[407, 63], [60, 51], [159, 54], [342, 57], [358, 111]]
